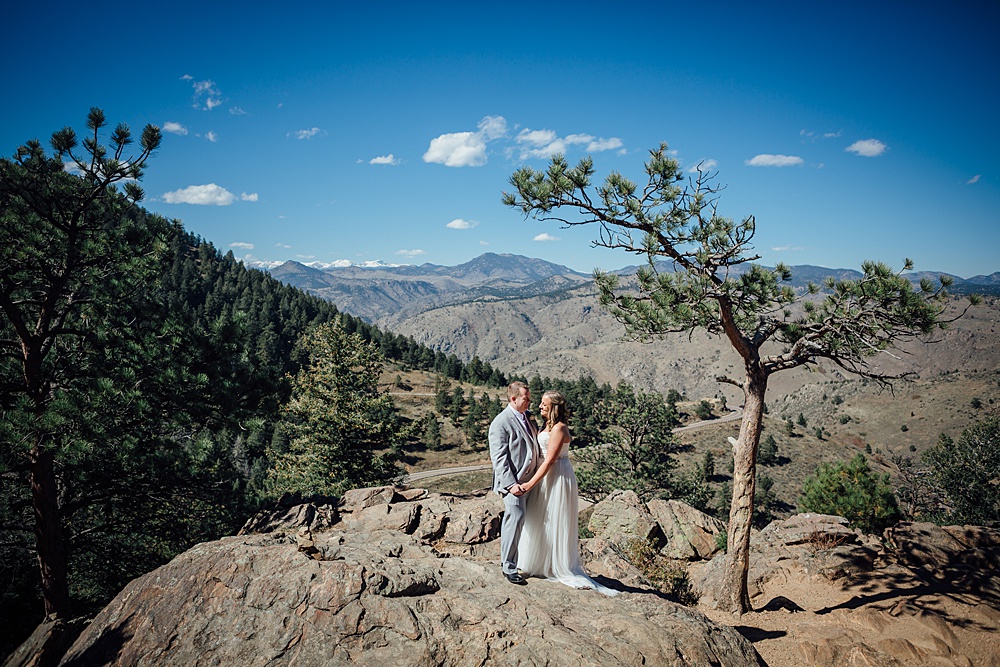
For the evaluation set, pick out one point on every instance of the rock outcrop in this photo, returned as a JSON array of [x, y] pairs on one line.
[[826, 595], [400, 578], [678, 530]]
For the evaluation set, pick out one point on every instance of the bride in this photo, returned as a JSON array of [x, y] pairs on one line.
[[549, 545]]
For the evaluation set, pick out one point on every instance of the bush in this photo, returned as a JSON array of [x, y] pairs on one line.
[[852, 491], [966, 471], [722, 541], [668, 576]]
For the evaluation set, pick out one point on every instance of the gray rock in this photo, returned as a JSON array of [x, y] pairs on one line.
[[382, 595], [690, 533], [622, 516]]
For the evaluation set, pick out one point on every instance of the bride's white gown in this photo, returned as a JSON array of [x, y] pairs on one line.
[[549, 544]]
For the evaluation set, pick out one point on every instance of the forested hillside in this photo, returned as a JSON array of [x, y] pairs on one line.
[[166, 438]]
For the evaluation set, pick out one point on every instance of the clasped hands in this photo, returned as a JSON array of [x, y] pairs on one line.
[[518, 490]]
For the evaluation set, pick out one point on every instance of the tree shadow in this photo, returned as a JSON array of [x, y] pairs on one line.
[[754, 635], [928, 573], [106, 650]]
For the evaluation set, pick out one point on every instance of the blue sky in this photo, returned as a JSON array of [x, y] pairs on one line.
[[326, 132]]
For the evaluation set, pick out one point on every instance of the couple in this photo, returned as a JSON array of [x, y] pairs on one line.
[[533, 474]]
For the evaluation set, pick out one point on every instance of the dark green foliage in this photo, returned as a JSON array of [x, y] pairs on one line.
[[153, 395], [707, 468], [767, 452], [763, 502], [801, 421], [852, 491], [342, 429], [966, 471], [637, 449], [704, 410], [432, 432]]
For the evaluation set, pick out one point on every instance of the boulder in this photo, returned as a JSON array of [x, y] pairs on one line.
[[375, 592], [676, 529], [622, 516], [690, 533]]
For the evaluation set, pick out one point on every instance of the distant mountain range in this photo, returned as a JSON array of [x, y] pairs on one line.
[[374, 289], [528, 316]]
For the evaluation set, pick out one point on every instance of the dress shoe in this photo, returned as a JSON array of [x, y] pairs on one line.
[[515, 578]]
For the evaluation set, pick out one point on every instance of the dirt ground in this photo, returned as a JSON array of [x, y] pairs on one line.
[[889, 618]]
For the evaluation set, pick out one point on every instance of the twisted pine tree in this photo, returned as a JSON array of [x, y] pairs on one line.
[[700, 273]]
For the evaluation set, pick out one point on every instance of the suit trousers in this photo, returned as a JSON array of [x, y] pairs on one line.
[[510, 531]]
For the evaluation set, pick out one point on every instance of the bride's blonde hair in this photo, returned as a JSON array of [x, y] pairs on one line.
[[558, 413]]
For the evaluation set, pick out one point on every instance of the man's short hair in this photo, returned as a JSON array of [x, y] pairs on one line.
[[514, 389]]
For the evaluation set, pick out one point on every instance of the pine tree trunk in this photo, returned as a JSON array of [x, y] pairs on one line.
[[734, 597], [48, 534]]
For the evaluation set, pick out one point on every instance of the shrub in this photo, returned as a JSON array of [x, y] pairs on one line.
[[852, 491], [966, 471], [668, 576]]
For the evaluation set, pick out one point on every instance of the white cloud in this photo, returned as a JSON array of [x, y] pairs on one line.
[[241, 245], [545, 237], [602, 144], [545, 143], [236, 111], [384, 159], [201, 195], [282, 245], [459, 223], [484, 243], [458, 149], [974, 179], [704, 165], [786, 248], [867, 148], [411, 253], [466, 149], [174, 128], [765, 160], [493, 127], [72, 168], [211, 136], [248, 197], [206, 95], [307, 134]]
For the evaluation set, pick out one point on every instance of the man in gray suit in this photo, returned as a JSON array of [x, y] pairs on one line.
[[515, 455]]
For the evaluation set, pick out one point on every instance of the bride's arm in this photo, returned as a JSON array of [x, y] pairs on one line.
[[558, 437]]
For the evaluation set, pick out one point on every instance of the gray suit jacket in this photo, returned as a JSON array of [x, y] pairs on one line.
[[513, 451]]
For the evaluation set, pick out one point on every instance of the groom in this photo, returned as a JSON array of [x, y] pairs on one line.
[[515, 455]]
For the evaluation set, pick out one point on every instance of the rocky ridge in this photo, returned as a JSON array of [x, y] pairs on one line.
[[389, 577], [403, 577]]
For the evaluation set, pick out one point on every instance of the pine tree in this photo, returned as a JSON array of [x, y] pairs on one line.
[[852, 491], [342, 428], [73, 252], [638, 448], [701, 273]]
